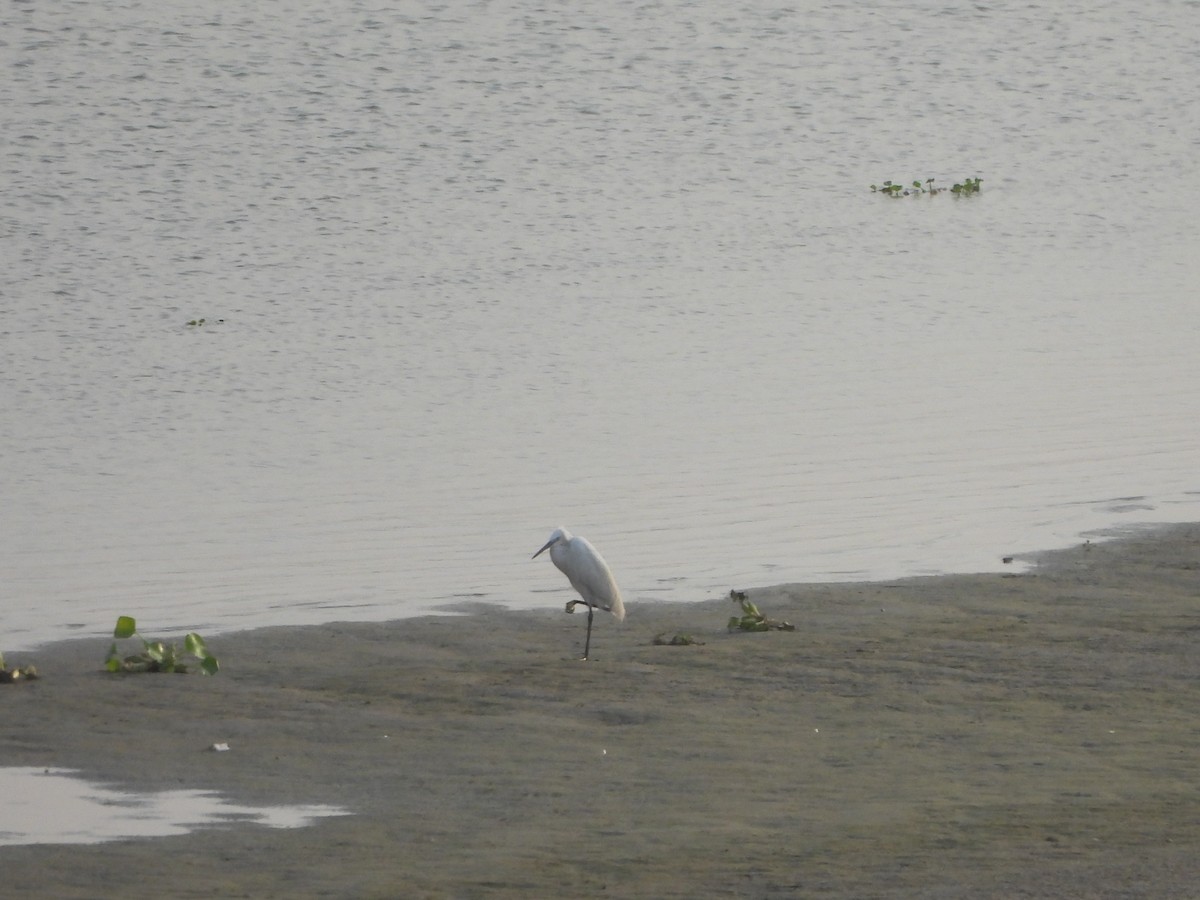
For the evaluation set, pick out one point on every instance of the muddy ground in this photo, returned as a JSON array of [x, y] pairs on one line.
[[1006, 735]]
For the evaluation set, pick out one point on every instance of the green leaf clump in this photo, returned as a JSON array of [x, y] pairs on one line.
[[964, 188], [16, 673], [676, 640], [751, 619], [157, 656]]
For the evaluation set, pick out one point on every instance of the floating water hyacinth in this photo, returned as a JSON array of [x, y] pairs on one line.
[[16, 673], [751, 619], [963, 188], [157, 656]]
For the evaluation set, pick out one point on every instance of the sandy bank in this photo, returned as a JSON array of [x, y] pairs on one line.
[[1026, 735]]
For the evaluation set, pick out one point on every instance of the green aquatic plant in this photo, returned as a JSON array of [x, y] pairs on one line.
[[918, 188], [675, 640], [16, 673], [157, 656], [751, 619], [968, 186]]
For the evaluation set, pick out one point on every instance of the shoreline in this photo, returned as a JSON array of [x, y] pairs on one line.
[[1023, 733], [1021, 562]]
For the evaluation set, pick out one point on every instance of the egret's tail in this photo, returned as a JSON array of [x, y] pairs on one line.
[[617, 608]]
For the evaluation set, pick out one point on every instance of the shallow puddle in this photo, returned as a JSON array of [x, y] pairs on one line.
[[53, 806]]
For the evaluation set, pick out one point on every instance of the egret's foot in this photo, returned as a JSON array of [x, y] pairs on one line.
[[571, 604]]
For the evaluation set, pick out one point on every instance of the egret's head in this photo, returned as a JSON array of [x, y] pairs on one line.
[[559, 534]]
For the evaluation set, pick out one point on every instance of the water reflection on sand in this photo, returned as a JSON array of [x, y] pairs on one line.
[[52, 806]]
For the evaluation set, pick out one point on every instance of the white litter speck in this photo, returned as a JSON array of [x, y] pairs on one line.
[[219, 748]]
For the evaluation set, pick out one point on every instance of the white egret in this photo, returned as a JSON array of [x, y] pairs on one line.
[[588, 573]]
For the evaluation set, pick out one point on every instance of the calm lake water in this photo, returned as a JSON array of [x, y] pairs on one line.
[[468, 271]]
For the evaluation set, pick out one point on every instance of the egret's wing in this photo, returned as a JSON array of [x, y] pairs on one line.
[[589, 574]]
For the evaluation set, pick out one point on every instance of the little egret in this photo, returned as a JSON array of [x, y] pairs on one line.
[[588, 573]]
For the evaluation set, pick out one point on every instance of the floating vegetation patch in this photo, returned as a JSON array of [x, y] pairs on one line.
[[751, 619], [675, 640], [157, 656], [16, 673], [964, 188]]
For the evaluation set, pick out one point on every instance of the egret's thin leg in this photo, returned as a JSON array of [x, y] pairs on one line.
[[587, 644]]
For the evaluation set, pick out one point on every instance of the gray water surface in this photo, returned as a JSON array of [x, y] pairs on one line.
[[468, 271]]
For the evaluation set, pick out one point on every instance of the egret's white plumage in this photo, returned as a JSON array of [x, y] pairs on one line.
[[588, 573]]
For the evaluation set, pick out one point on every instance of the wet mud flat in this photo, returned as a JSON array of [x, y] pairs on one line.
[[1001, 735]]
